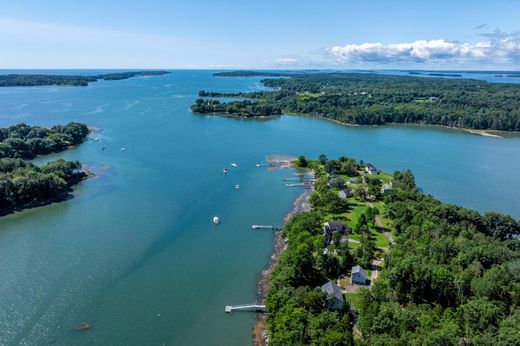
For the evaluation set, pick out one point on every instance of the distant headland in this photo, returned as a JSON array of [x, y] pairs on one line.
[[13, 80]]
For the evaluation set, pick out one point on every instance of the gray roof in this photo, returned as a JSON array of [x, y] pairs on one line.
[[357, 269], [332, 290]]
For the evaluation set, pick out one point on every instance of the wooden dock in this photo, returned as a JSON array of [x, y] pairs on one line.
[[272, 227], [245, 307]]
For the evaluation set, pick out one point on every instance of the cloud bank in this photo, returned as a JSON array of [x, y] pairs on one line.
[[497, 48]]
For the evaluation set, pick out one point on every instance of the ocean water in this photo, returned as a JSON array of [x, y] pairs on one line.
[[135, 252]]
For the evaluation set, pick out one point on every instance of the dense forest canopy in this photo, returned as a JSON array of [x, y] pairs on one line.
[[375, 99], [452, 277], [11, 80], [26, 142], [25, 185]]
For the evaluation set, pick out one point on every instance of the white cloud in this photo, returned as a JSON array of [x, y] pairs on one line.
[[497, 48]]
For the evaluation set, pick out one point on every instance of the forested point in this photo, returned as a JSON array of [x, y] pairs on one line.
[[27, 142], [12, 80], [25, 185], [376, 99], [451, 277]]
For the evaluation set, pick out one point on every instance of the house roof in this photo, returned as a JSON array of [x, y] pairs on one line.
[[336, 225], [332, 290], [357, 269]]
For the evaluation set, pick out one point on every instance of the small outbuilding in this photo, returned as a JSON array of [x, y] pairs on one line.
[[334, 296], [345, 193], [358, 276]]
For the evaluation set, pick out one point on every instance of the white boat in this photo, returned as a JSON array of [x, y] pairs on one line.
[[123, 149], [216, 220], [234, 165], [225, 170], [258, 165], [237, 186]]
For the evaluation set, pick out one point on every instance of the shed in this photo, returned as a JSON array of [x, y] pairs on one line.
[[358, 276]]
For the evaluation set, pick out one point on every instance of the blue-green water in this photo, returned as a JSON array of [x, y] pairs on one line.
[[135, 252]]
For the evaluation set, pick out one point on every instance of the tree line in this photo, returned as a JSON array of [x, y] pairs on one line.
[[27, 142], [375, 99], [13, 80], [25, 185]]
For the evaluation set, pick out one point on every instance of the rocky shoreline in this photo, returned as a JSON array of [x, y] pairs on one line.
[[301, 204]]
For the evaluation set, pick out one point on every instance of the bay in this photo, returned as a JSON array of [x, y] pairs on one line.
[[135, 252]]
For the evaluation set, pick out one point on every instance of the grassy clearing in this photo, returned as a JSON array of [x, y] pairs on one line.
[[385, 177], [354, 299]]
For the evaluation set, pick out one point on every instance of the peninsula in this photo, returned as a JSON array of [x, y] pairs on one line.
[[375, 262], [25, 185], [12, 80], [375, 99]]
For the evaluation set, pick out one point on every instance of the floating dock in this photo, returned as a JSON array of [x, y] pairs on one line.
[[245, 307]]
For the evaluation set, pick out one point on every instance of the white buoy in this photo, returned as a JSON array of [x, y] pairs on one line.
[[216, 220]]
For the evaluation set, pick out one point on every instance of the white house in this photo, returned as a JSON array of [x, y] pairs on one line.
[[386, 187], [358, 276]]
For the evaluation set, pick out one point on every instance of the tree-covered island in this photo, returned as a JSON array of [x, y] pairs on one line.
[[12, 80], [375, 262], [25, 185], [376, 99]]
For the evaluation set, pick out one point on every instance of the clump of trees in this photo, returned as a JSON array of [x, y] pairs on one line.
[[27, 142], [25, 185], [245, 108]]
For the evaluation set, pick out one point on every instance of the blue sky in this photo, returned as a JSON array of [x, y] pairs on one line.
[[468, 34]]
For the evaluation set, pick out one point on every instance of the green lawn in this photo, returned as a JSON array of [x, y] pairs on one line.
[[379, 239], [385, 177], [353, 299]]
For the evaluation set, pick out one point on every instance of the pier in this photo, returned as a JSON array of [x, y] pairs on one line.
[[273, 227], [245, 307]]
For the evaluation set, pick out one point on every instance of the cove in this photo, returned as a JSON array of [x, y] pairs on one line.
[[136, 253]]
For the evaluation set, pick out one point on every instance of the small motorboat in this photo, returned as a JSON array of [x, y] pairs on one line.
[[258, 165], [216, 220], [234, 165], [225, 170], [237, 186], [103, 148], [123, 149]]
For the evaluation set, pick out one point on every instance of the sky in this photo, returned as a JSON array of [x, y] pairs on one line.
[[269, 34]]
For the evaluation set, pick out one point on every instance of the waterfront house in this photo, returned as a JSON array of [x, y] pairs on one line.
[[334, 296], [371, 169], [358, 276], [333, 226]]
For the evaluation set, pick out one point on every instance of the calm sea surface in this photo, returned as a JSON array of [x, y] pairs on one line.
[[135, 252]]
